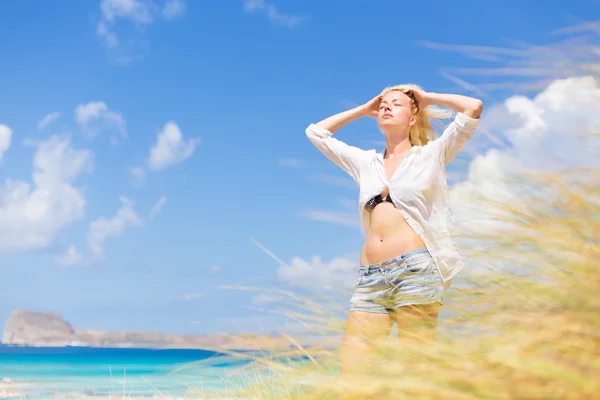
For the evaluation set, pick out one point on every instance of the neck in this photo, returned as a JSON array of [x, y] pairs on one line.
[[397, 148]]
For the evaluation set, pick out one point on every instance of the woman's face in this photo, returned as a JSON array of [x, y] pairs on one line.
[[395, 110]]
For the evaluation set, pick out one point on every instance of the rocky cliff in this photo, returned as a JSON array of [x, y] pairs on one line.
[[25, 327], [30, 328]]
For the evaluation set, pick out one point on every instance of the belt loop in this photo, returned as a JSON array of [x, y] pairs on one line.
[[399, 261]]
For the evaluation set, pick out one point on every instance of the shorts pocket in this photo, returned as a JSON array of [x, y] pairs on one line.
[[420, 266], [359, 281]]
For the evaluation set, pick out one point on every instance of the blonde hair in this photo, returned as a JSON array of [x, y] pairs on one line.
[[422, 131]]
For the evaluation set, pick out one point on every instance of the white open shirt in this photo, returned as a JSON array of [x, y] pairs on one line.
[[418, 188]]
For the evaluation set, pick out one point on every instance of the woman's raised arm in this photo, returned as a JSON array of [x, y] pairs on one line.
[[461, 130], [348, 158]]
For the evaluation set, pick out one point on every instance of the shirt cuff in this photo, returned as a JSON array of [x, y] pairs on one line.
[[467, 122], [314, 130]]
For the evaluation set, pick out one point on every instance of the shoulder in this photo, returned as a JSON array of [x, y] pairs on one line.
[[424, 150], [427, 152], [369, 155]]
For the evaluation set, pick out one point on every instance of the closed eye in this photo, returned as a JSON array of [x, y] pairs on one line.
[[396, 103]]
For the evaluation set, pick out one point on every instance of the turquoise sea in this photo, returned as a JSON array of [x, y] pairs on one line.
[[37, 373]]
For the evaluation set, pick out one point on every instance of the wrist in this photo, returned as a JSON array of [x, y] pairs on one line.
[[360, 111], [431, 98]]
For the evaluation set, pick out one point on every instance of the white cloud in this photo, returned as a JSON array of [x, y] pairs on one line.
[[5, 139], [99, 231], [103, 228], [171, 147], [48, 119], [95, 117], [173, 8], [554, 129], [549, 133], [135, 10], [31, 214], [316, 274], [273, 14], [137, 14], [157, 208]]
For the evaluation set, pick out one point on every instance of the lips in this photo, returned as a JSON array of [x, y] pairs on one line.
[[387, 115]]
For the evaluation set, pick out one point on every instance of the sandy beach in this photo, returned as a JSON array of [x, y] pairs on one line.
[[10, 389]]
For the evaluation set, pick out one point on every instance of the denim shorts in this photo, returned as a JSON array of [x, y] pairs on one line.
[[411, 278]]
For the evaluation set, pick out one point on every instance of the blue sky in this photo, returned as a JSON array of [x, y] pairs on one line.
[[173, 133]]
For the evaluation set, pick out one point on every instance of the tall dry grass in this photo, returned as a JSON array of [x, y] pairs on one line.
[[527, 328], [526, 325]]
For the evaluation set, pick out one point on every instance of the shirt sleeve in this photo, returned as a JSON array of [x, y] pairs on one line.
[[348, 158], [455, 136]]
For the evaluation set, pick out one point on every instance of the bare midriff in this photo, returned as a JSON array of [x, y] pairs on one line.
[[389, 235]]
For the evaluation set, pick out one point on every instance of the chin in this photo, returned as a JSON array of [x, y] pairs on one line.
[[388, 122]]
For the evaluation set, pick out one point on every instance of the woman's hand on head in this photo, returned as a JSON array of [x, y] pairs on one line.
[[371, 108], [422, 98]]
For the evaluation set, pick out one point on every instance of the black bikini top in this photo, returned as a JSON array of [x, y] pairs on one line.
[[377, 200]]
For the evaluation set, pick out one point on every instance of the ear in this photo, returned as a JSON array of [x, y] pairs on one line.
[[413, 121]]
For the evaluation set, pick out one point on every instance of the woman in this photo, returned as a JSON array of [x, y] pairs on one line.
[[408, 257]]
